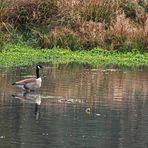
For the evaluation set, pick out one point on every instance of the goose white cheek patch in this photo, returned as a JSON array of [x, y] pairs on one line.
[[39, 67]]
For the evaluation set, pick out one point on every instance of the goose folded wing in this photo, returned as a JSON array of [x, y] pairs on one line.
[[25, 81]]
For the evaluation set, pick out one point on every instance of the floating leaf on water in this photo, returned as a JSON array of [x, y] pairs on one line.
[[70, 100], [2, 137], [88, 110]]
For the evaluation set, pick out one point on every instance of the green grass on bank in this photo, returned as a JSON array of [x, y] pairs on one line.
[[19, 56]]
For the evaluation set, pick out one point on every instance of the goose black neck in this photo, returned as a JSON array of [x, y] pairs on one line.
[[37, 73]]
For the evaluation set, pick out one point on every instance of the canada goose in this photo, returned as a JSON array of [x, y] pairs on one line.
[[32, 83]]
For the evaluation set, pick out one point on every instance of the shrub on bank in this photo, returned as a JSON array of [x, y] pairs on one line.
[[75, 24]]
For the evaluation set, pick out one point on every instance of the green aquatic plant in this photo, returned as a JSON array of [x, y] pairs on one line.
[[18, 55]]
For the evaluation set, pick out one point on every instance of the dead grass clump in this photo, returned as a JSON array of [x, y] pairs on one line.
[[99, 11], [143, 37], [91, 34], [89, 10], [61, 37], [65, 37], [67, 4], [136, 10], [130, 9], [33, 12], [7, 32], [3, 9], [86, 35], [122, 32]]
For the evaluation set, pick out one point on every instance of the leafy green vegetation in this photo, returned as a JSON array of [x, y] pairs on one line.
[[18, 55]]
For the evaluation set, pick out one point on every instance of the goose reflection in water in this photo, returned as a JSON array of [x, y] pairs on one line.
[[30, 97]]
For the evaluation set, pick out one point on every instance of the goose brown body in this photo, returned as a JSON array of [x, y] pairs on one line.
[[31, 83]]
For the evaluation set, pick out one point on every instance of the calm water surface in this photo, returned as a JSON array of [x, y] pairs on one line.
[[77, 107]]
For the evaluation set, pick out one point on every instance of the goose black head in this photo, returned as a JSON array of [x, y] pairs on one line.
[[39, 66]]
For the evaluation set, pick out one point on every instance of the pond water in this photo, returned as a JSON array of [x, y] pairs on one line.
[[76, 107]]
